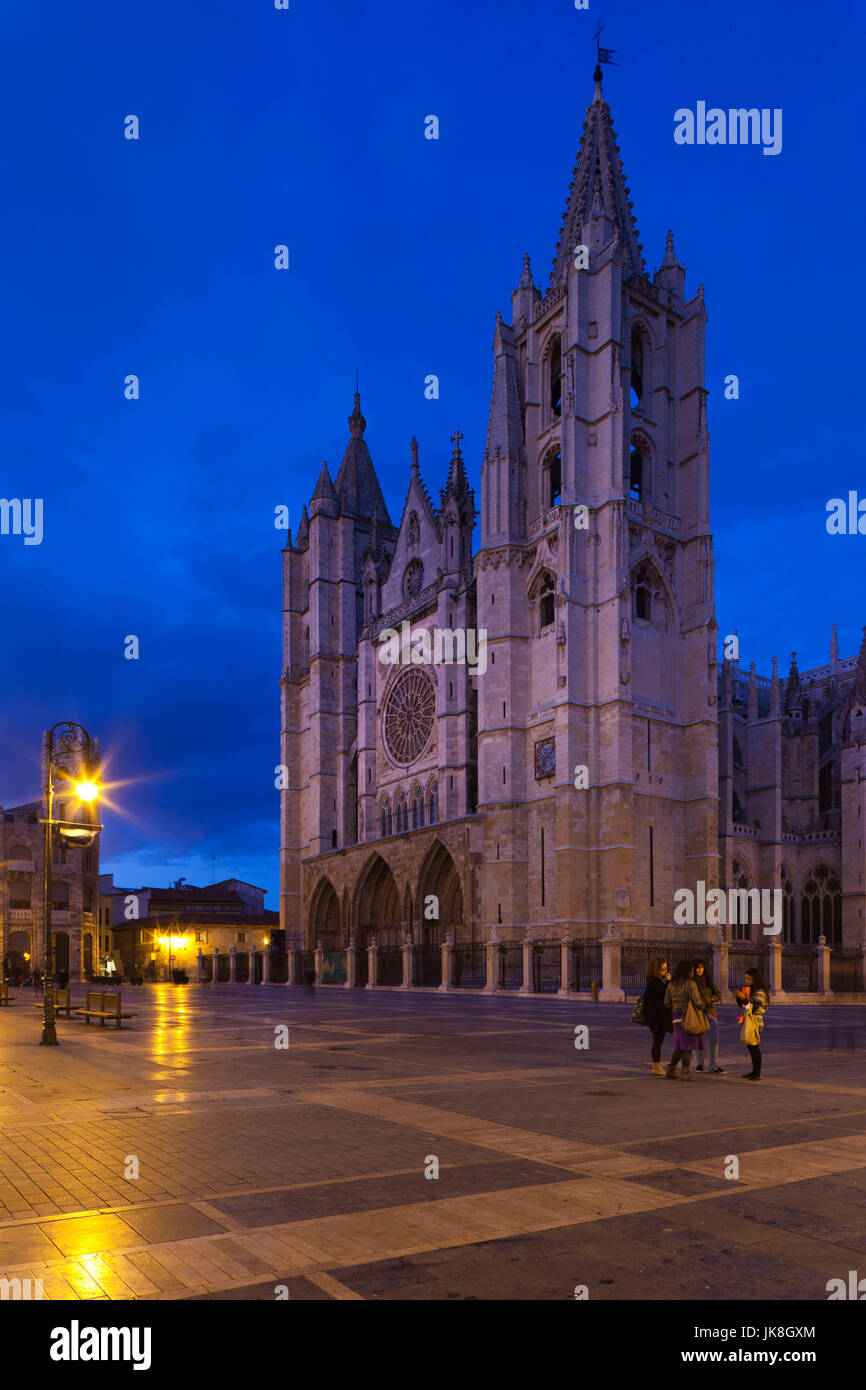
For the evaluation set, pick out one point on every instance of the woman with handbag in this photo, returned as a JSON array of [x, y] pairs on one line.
[[710, 997], [658, 1015], [684, 1001], [754, 999]]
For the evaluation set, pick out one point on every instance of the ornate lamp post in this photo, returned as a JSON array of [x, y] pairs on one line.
[[69, 751]]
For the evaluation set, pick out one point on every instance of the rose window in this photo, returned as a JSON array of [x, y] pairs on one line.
[[413, 579], [409, 716]]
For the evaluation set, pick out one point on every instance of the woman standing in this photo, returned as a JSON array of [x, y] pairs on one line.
[[682, 992], [657, 1013], [710, 997], [755, 999]]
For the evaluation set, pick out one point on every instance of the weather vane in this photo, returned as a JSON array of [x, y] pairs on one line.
[[602, 54]]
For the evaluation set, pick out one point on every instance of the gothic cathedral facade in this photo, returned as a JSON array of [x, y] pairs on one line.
[[596, 760]]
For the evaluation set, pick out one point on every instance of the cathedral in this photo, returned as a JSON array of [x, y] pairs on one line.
[[598, 759]]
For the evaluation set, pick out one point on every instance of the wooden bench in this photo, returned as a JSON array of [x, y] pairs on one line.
[[61, 1002], [5, 996], [102, 1006]]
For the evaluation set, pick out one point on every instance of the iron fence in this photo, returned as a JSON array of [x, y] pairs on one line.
[[279, 968], [224, 970], [799, 970], [546, 961], [470, 966], [427, 966], [585, 966], [305, 968], [242, 968], [509, 965], [846, 970], [390, 964]]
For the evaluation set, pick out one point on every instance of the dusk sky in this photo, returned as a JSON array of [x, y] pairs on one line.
[[306, 127]]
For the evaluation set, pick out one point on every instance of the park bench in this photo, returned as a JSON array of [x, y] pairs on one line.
[[5, 996], [102, 1006], [61, 1002]]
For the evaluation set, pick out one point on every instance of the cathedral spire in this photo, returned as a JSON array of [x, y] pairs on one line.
[[834, 650], [458, 484], [793, 692], [598, 188], [303, 530], [357, 485], [324, 498], [753, 694], [775, 691]]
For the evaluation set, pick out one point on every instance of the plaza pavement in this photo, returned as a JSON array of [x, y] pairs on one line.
[[305, 1167]]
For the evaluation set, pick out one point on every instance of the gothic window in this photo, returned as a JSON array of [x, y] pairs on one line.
[[433, 804], [643, 594], [414, 533], [413, 579], [821, 906], [546, 602], [369, 600], [417, 809], [306, 665], [385, 817], [401, 814], [554, 478], [637, 480], [637, 369], [409, 713], [555, 369], [825, 788], [789, 925], [738, 755], [737, 811], [743, 908]]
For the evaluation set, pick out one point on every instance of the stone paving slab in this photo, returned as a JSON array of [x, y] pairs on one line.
[[306, 1167]]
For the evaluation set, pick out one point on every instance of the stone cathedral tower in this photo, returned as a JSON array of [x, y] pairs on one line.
[[570, 785], [597, 719]]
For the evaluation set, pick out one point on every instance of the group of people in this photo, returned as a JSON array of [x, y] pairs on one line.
[[685, 1004]]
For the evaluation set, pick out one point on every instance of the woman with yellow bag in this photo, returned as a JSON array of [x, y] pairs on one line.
[[684, 1001], [754, 999]]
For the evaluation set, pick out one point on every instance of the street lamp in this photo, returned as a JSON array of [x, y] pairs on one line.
[[67, 748]]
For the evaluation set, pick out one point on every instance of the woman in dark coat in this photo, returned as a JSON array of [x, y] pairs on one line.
[[658, 1016]]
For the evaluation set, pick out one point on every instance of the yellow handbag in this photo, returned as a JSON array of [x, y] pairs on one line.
[[750, 1031]]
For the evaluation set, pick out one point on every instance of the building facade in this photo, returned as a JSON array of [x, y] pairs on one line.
[[74, 895], [154, 931], [587, 758]]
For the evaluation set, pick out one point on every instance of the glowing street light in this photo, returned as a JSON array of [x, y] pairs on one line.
[[65, 746]]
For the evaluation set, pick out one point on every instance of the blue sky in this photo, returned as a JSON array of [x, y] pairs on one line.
[[305, 127]]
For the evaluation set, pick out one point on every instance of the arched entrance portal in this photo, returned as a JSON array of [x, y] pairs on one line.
[[440, 899], [377, 915], [325, 918]]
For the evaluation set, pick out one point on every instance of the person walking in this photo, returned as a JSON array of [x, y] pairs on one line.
[[754, 1000], [710, 997], [658, 1015], [684, 1001]]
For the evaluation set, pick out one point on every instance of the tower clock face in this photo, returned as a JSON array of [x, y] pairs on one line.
[[409, 713], [545, 758]]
